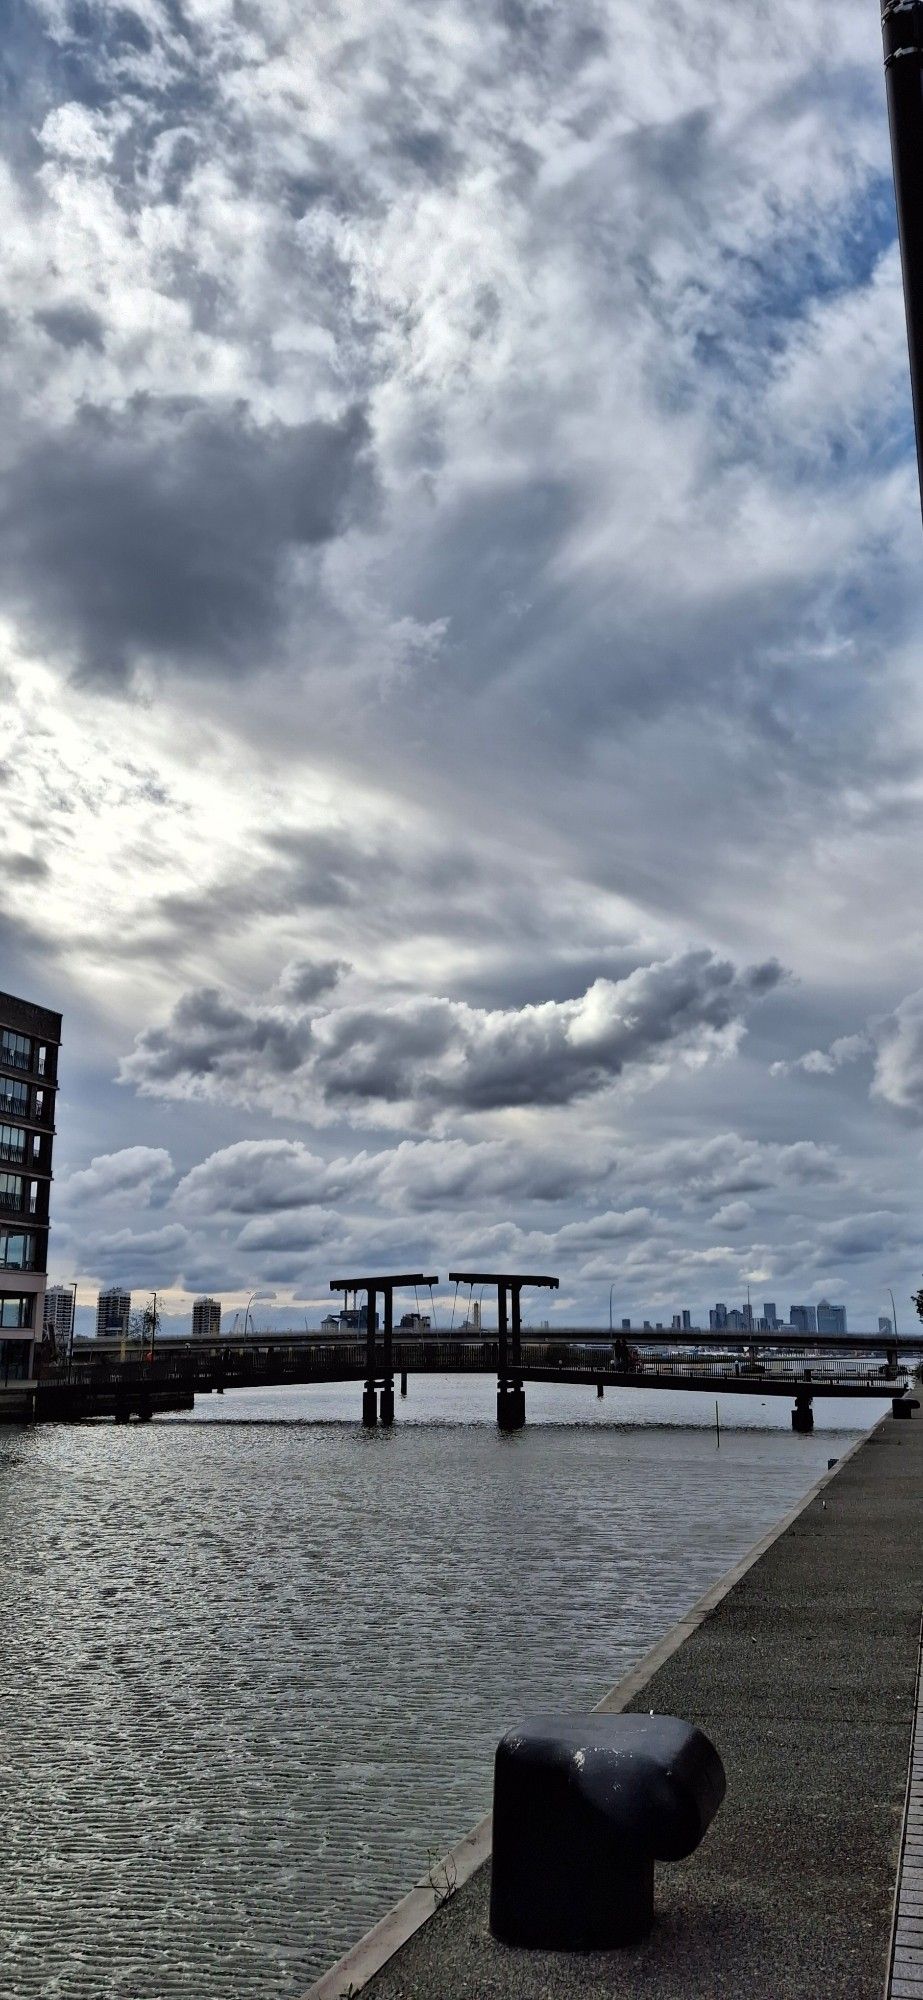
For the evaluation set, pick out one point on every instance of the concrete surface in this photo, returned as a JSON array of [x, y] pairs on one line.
[[805, 1678]]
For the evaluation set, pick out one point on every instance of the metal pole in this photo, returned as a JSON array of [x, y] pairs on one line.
[[893, 1311], [902, 34], [70, 1349], [611, 1290]]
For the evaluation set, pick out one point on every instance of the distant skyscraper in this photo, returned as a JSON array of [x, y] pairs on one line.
[[719, 1317], [206, 1319], [58, 1315], [626, 1326], [884, 1323], [687, 1322], [830, 1319], [803, 1319], [770, 1315], [112, 1313]]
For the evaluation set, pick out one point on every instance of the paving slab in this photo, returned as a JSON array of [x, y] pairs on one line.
[[805, 1677]]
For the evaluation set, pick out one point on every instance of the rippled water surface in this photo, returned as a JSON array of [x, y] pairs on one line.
[[253, 1671]]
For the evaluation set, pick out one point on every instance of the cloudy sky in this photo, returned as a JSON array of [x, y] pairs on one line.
[[462, 597]]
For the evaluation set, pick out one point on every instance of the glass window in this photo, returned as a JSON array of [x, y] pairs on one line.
[[16, 1050], [14, 1096], [14, 1360], [12, 1143], [39, 1100], [16, 1250], [11, 1187], [16, 1312], [33, 1197], [42, 1061], [36, 1146]]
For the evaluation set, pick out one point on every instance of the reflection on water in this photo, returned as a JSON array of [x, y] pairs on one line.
[[254, 1672]]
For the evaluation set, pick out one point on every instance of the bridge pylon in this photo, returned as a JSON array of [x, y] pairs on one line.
[[511, 1394], [377, 1378]]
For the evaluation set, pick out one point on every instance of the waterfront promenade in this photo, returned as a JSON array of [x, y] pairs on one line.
[[802, 1667]]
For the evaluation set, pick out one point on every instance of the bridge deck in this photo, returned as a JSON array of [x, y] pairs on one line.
[[98, 1382]]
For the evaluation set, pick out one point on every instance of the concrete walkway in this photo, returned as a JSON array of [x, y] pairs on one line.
[[805, 1677]]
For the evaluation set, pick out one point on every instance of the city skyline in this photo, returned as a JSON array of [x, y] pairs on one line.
[[459, 654]]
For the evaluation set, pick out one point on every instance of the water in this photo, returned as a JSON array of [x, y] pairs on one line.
[[254, 1671]]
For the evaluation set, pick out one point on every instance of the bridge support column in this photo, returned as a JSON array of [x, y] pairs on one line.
[[803, 1415], [403, 1381], [599, 1390], [369, 1408], [511, 1406], [386, 1404]]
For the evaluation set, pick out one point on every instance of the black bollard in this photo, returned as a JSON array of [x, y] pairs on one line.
[[599, 1390], [583, 1807], [403, 1381], [386, 1407], [803, 1416], [369, 1409]]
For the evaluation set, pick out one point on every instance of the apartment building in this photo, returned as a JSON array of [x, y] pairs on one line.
[[30, 1037]]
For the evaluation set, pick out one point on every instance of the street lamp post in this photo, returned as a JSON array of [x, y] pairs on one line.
[[247, 1313], [902, 32], [611, 1290], [893, 1311], [70, 1345]]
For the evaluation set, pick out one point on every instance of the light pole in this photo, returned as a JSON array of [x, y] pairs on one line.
[[611, 1290], [893, 1311], [70, 1347], [247, 1313]]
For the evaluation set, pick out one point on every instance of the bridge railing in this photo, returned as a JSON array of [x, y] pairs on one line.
[[237, 1364]]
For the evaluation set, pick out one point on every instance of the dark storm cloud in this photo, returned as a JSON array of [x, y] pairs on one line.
[[210, 1035], [162, 532], [454, 1056], [444, 1055], [305, 979], [72, 326]]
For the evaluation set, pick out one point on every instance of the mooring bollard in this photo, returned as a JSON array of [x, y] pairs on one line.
[[583, 1807]]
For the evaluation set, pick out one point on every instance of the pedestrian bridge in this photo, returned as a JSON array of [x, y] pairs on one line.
[[109, 1379]]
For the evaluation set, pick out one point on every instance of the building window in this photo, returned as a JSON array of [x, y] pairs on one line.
[[12, 1143], [39, 1111], [14, 1096], [15, 1050], [16, 1312], [11, 1187], [17, 1250], [41, 1060], [33, 1197]]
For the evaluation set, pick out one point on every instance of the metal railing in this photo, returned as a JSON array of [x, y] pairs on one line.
[[229, 1365]]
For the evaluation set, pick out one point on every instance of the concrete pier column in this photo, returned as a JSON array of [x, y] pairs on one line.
[[369, 1408], [511, 1406], [803, 1415], [403, 1381], [386, 1404], [599, 1390]]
